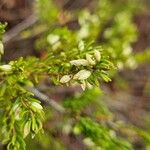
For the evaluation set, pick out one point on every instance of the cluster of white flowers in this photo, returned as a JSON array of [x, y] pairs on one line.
[[81, 45], [131, 63], [83, 74], [90, 60]]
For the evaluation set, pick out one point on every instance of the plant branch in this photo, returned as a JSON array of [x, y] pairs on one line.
[[20, 27], [46, 99]]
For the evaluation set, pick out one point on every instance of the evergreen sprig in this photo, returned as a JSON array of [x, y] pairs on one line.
[[73, 57]]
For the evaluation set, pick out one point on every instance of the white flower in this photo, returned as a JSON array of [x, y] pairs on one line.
[[67, 128], [131, 63], [81, 45], [82, 75], [97, 55], [88, 142], [127, 51], [65, 79], [120, 65], [36, 105], [83, 32], [79, 62], [56, 45], [90, 60], [5, 67], [53, 38], [1, 48]]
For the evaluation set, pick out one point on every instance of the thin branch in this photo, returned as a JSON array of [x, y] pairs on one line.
[[46, 99], [13, 33], [19, 28]]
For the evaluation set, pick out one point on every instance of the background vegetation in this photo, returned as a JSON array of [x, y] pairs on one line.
[[74, 75]]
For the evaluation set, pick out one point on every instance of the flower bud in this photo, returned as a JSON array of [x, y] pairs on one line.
[[36, 105], [82, 75], [5, 68], [88, 142], [131, 63], [120, 65], [79, 62], [53, 38], [127, 51], [97, 55], [27, 128], [81, 45], [90, 60], [65, 79]]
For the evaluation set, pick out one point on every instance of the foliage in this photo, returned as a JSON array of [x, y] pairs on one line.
[[47, 10], [73, 57], [2, 30], [79, 102], [99, 136], [105, 21]]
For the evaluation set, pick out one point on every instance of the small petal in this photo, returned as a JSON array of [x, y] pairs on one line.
[[79, 62], [5, 67], [52, 38], [36, 105], [83, 32], [81, 45], [82, 75], [131, 63], [120, 65], [65, 79], [88, 141], [127, 51], [97, 55], [90, 60]]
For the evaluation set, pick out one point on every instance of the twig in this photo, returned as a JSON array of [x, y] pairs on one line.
[[20, 27], [46, 99], [13, 33]]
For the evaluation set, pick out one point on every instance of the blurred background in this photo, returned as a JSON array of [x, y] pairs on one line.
[[128, 95]]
